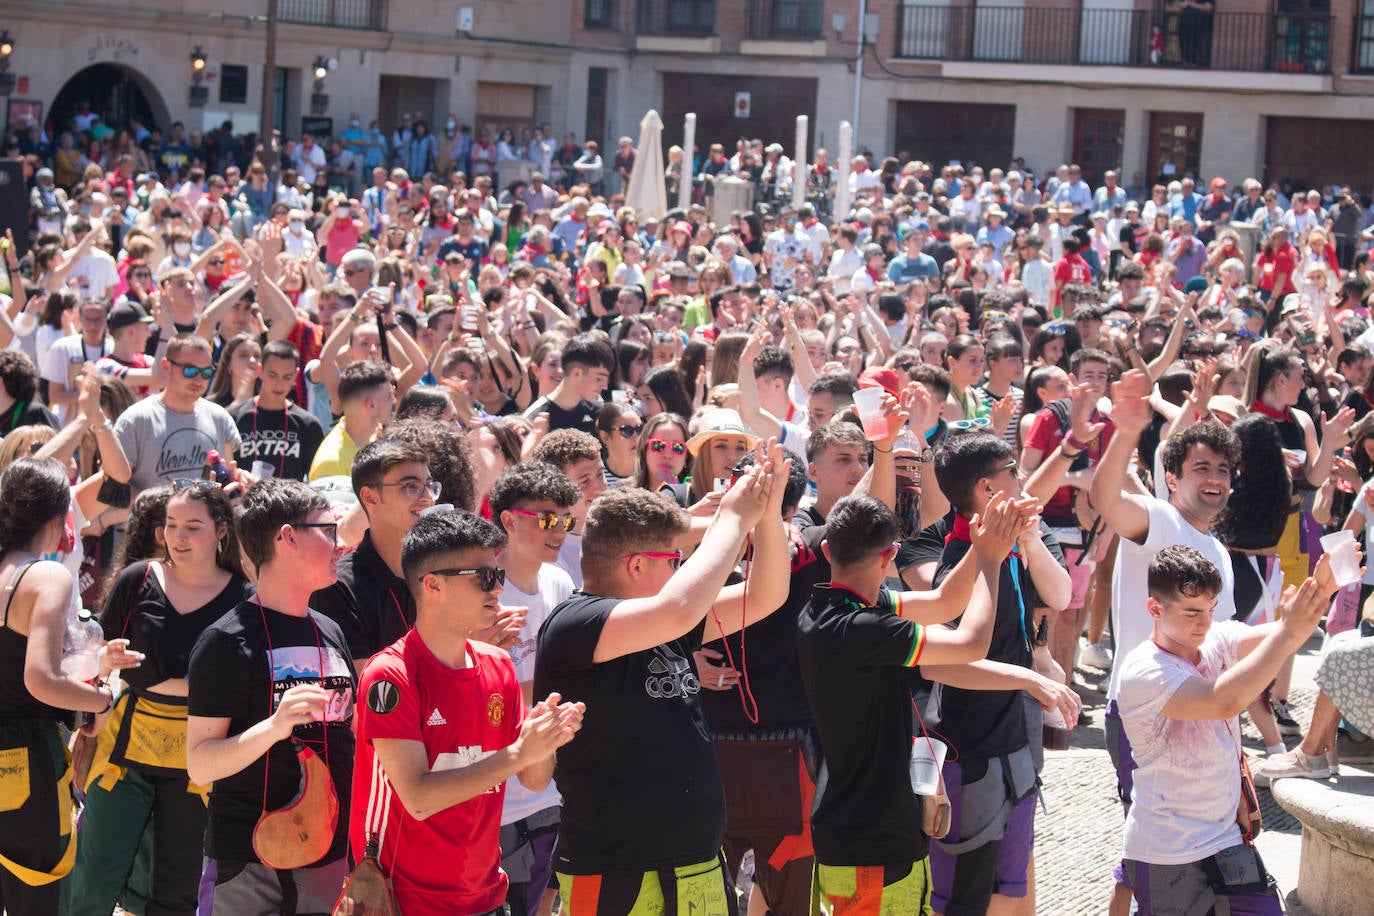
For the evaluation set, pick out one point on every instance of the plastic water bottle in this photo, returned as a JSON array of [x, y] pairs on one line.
[[81, 644], [215, 469]]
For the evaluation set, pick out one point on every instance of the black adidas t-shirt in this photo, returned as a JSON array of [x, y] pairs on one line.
[[234, 675], [853, 662], [984, 724], [641, 787], [285, 439], [582, 417]]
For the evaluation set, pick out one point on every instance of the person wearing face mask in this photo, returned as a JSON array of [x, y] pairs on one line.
[[297, 240], [353, 138]]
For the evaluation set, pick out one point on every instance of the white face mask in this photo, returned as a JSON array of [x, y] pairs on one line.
[[182, 249], [449, 125], [297, 226]]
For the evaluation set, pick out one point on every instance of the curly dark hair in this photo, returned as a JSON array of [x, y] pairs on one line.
[[19, 375], [1211, 434], [147, 514], [449, 455], [1262, 489]]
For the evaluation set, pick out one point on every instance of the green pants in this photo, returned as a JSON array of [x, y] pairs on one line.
[[113, 829]]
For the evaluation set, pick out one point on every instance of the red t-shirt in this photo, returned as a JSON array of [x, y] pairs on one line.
[[1045, 435], [450, 863], [1281, 263]]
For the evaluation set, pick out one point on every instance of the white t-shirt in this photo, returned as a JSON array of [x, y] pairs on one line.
[[94, 275], [1187, 778], [570, 558], [63, 356], [1131, 623], [553, 587], [1362, 507]]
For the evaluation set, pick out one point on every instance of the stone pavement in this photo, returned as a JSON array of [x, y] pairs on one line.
[[1079, 841]]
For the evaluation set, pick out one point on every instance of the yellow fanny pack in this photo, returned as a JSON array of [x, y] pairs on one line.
[[143, 733]]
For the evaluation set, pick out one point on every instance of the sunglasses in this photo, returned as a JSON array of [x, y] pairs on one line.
[[186, 483], [1058, 330], [1244, 334], [548, 521], [658, 445], [217, 262], [330, 529], [674, 559], [975, 423], [1009, 466], [628, 431], [489, 578], [189, 371], [662, 337]]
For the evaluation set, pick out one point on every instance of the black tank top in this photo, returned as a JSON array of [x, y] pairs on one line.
[[15, 700]]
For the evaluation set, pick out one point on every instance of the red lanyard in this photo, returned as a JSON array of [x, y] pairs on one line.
[[271, 689]]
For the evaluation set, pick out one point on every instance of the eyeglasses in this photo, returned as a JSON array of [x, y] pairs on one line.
[[1244, 334], [628, 431], [189, 371], [187, 483], [674, 559], [1009, 466], [411, 489], [489, 578], [659, 445], [330, 529], [548, 521], [975, 423]]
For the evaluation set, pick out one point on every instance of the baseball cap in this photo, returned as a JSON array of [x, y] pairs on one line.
[[1218, 183], [882, 378], [126, 314]]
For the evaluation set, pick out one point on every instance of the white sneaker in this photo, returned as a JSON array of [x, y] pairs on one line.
[[1293, 763], [1096, 655]]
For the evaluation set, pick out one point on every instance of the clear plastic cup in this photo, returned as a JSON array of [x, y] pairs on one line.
[[868, 403], [1345, 556], [927, 759]]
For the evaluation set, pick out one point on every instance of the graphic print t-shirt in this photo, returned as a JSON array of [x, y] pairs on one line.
[[164, 445], [239, 671], [284, 439], [641, 786]]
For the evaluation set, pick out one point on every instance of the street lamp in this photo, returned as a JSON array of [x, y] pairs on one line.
[[200, 94], [319, 100], [6, 49]]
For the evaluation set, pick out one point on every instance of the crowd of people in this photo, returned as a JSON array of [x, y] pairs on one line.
[[546, 555]]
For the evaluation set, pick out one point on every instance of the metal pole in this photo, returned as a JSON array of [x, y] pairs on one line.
[[842, 171], [269, 88], [689, 142], [799, 163], [859, 65]]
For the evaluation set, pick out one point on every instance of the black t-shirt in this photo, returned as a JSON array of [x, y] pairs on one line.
[[372, 606], [853, 661], [286, 439], [767, 652], [236, 676], [27, 413], [927, 546], [582, 417], [984, 724], [641, 786], [807, 518], [137, 609]]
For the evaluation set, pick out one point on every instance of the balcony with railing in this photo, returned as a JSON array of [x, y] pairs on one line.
[[785, 20], [1249, 42], [365, 15], [685, 18]]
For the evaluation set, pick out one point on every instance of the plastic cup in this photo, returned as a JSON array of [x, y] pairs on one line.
[[868, 402], [927, 759], [262, 470], [1345, 557], [1056, 734]]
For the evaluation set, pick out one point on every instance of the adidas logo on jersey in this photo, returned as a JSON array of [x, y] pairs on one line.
[[436, 718]]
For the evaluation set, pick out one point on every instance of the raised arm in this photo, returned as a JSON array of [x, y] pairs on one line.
[[1265, 648], [637, 624], [1128, 514], [751, 410], [765, 590]]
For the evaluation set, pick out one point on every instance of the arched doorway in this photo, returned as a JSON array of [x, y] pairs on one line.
[[115, 92]]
